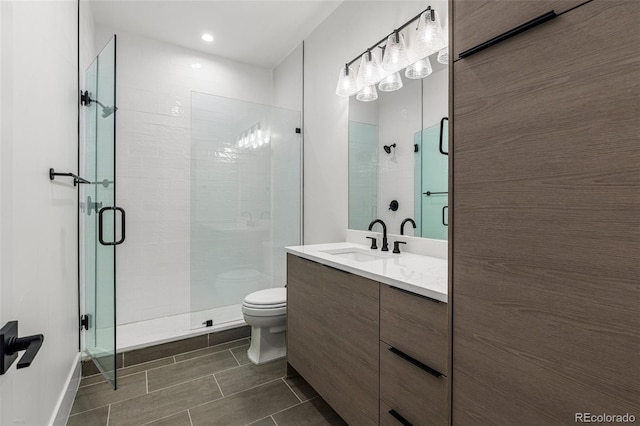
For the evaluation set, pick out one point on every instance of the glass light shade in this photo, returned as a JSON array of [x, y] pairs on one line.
[[391, 83], [369, 72], [346, 82], [395, 55], [367, 94], [443, 56], [420, 69], [429, 35]]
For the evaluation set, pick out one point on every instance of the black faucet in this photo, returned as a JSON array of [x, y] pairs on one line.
[[405, 221], [385, 246]]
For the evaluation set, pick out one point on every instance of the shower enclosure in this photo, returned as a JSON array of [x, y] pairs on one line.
[[245, 202], [212, 191], [97, 218]]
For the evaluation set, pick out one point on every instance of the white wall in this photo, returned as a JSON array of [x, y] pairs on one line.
[[154, 84], [345, 34], [38, 278], [287, 81]]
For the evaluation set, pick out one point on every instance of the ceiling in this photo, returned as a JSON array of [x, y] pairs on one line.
[[260, 33]]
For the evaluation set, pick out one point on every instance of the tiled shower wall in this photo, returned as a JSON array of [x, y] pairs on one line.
[[154, 85]]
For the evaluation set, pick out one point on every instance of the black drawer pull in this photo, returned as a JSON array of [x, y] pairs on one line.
[[507, 35], [415, 362], [399, 418]]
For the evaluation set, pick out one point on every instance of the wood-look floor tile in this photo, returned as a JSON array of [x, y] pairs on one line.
[[250, 375], [89, 368], [127, 371], [166, 402], [97, 417], [165, 350], [180, 419], [245, 407], [101, 394], [188, 370], [212, 349], [267, 421], [301, 388], [315, 412], [241, 354]]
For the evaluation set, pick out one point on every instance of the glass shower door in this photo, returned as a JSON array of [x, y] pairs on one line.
[[99, 213], [431, 181]]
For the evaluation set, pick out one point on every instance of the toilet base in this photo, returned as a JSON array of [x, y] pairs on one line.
[[266, 345]]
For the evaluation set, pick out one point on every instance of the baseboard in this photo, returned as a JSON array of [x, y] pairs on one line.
[[68, 395]]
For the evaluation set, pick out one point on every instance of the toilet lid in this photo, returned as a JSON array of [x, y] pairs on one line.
[[270, 296]]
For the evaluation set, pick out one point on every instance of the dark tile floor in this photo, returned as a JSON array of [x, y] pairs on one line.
[[214, 385]]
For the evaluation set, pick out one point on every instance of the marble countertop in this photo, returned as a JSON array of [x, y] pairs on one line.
[[423, 275]]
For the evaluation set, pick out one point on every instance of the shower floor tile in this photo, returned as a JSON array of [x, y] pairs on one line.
[[213, 386]]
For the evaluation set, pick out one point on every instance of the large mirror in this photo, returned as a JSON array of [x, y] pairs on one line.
[[398, 162]]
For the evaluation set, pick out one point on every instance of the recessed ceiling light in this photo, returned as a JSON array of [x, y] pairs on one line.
[[207, 37]]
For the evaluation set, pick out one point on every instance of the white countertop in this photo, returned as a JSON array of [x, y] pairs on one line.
[[423, 275]]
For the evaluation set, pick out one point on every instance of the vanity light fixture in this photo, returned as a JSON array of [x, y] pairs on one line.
[[443, 56], [369, 72], [368, 94], [429, 34], [419, 69], [395, 55], [391, 82], [207, 37], [429, 39], [346, 82]]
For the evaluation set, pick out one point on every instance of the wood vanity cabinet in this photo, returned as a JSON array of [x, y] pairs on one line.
[[414, 358], [333, 336], [371, 351], [546, 229]]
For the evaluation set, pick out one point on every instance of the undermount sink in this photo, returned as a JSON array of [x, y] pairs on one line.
[[356, 254]]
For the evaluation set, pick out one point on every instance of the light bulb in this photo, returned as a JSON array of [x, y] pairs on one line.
[[369, 70], [391, 83], [367, 94], [395, 55], [420, 69], [346, 82]]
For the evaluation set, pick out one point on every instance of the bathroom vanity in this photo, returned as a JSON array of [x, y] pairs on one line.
[[370, 334]]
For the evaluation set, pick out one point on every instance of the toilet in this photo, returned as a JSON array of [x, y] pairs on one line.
[[266, 312]]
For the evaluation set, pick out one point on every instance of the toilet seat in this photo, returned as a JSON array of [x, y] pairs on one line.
[[266, 303], [268, 297]]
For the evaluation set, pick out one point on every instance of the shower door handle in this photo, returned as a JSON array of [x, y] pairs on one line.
[[101, 227], [444, 215]]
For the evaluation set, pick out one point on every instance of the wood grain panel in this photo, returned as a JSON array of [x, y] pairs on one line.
[[415, 325], [546, 195], [333, 336], [418, 396], [476, 21], [305, 328]]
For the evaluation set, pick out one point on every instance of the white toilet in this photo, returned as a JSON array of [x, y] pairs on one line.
[[266, 312]]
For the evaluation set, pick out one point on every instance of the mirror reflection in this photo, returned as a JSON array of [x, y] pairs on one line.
[[398, 162]]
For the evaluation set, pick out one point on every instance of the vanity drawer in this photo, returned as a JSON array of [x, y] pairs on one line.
[[416, 325], [416, 395]]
